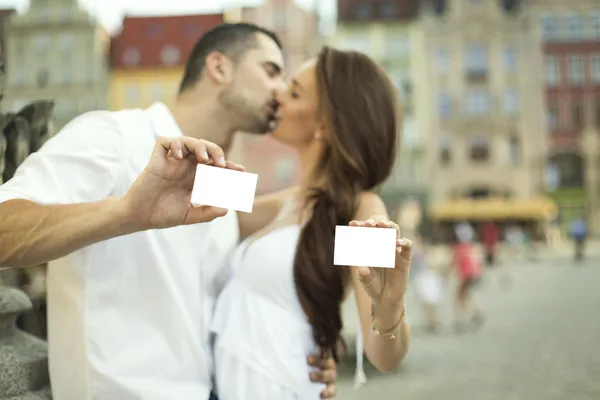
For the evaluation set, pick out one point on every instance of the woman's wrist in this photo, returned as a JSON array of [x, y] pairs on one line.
[[388, 317]]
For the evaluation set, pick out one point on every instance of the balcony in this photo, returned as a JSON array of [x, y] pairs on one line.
[[476, 75], [377, 10]]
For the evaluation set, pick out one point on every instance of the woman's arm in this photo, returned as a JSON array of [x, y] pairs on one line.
[[265, 209], [383, 351]]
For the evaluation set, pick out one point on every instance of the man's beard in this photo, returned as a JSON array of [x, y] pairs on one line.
[[244, 116]]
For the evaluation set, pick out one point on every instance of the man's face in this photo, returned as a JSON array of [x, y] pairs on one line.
[[256, 81]]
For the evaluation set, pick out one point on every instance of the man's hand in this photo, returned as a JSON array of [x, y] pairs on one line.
[[327, 374], [161, 196]]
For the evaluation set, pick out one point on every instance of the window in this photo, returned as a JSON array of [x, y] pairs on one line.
[[90, 73], [597, 110], [596, 68], [479, 149], [577, 116], [43, 77], [442, 60], [170, 55], [191, 29], [284, 169], [65, 108], [66, 42], [553, 117], [397, 45], [154, 30], [157, 92], [19, 77], [476, 59], [132, 56], [595, 16], [67, 73], [42, 43], [551, 71], [511, 101], [573, 26], [576, 74], [510, 59], [363, 10], [514, 151], [478, 102], [549, 26], [445, 149], [444, 105], [388, 9], [357, 42], [132, 95]]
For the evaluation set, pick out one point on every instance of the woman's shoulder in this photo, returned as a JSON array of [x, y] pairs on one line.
[[369, 204]]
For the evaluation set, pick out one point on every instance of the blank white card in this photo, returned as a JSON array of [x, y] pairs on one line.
[[359, 246], [225, 188]]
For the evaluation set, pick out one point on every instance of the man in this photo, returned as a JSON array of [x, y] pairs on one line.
[[129, 319], [578, 231], [490, 235]]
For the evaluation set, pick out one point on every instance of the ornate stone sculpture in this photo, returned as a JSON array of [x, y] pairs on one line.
[[23, 357]]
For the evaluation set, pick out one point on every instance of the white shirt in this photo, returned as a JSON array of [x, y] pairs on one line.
[[128, 318]]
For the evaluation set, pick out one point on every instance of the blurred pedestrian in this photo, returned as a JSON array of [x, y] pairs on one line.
[[578, 232], [468, 269], [429, 282]]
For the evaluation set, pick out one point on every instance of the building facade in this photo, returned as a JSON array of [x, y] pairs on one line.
[[277, 164], [384, 30], [570, 32], [479, 100], [56, 50], [5, 14], [148, 57]]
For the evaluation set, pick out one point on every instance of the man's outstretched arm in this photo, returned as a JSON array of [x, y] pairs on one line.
[[57, 202], [32, 234]]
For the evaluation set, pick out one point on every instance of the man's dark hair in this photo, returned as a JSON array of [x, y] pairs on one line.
[[233, 40]]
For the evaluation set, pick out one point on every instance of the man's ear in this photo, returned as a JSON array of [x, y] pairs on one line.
[[219, 68]]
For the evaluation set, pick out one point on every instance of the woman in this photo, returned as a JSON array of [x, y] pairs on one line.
[[468, 268], [283, 301]]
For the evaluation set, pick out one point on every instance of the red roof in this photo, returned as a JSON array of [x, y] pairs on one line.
[[149, 42]]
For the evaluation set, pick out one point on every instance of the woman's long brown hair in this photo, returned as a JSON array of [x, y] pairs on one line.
[[358, 105]]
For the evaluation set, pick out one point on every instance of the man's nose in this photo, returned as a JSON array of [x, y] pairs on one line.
[[280, 86]]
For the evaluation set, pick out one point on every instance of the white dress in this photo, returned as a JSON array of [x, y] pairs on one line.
[[263, 337]]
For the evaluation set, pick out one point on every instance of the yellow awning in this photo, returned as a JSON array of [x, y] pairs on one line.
[[496, 209]]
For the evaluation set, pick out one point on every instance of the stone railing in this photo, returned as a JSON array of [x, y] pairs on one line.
[[23, 357]]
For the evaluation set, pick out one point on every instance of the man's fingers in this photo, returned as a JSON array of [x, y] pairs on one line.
[[234, 166], [215, 152], [202, 149], [324, 376], [329, 392], [322, 362], [201, 214]]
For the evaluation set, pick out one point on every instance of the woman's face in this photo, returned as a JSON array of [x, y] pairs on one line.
[[298, 114]]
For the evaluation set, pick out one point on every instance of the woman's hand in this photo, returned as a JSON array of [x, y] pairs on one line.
[[387, 286]]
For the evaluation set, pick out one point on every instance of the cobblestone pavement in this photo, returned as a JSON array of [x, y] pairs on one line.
[[540, 341]]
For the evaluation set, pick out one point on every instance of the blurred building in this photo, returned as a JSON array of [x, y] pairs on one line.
[[479, 101], [56, 51], [148, 57], [570, 32], [276, 164], [5, 14], [384, 30]]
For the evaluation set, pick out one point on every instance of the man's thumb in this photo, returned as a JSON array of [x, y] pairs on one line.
[[204, 214]]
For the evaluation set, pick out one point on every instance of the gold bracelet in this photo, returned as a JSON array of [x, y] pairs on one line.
[[391, 333]]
